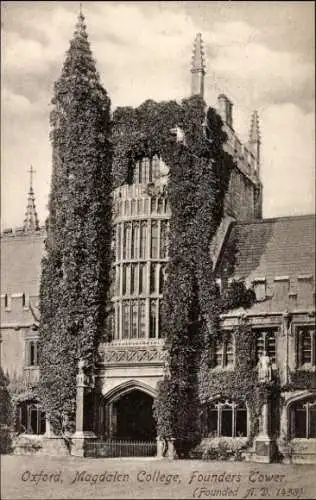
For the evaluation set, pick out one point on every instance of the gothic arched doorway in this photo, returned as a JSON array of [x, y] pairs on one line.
[[134, 416]]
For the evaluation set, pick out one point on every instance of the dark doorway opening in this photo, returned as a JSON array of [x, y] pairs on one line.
[[135, 417]]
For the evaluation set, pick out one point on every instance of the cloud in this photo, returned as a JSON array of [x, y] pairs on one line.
[[255, 72], [289, 161], [143, 50]]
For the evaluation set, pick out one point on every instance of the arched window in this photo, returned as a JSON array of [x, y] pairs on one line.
[[226, 418], [30, 418], [145, 170], [303, 419], [160, 205]]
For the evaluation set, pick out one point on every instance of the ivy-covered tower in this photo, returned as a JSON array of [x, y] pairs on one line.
[[142, 215], [76, 265]]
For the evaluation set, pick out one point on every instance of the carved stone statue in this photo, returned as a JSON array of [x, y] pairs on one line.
[[264, 368], [82, 379]]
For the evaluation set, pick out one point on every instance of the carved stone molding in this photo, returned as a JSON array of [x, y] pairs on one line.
[[132, 355]]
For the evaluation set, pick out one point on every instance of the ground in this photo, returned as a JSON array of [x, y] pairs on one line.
[[33, 477]]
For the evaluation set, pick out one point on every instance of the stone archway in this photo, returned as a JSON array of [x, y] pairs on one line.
[[134, 416], [129, 409]]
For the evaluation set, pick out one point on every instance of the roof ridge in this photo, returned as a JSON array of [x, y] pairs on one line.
[[274, 219]]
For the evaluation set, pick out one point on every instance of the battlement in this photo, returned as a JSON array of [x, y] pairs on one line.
[[245, 159], [246, 156], [14, 232], [18, 308]]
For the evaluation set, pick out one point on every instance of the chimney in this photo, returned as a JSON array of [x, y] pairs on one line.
[[225, 109]]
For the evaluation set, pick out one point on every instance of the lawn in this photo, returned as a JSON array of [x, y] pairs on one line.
[[80, 478]]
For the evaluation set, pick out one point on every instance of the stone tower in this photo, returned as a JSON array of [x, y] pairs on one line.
[[198, 67]]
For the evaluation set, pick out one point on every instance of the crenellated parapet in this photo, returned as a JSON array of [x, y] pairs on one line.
[[19, 231]]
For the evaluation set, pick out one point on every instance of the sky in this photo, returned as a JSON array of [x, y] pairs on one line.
[[260, 54]]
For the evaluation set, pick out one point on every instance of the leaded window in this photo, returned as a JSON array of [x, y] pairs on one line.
[[223, 350], [303, 419], [142, 318], [266, 342], [226, 418], [135, 240], [164, 225], [153, 319], [127, 241], [134, 313], [125, 320], [305, 346], [154, 240], [31, 352], [143, 239], [153, 277], [30, 418], [142, 278]]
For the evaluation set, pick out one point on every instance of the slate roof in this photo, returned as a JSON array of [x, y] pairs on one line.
[[21, 263], [268, 248], [276, 249]]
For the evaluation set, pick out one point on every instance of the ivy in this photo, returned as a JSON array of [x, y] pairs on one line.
[[6, 413], [75, 270]]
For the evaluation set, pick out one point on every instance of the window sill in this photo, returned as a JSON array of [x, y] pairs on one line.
[[306, 368], [227, 368], [303, 440], [228, 439]]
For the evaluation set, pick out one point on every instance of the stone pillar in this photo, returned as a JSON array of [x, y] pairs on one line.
[[48, 429], [171, 451], [264, 445], [81, 438], [112, 420], [265, 419], [161, 447], [285, 349], [53, 445]]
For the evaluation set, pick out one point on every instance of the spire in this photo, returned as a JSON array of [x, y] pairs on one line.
[[31, 220], [254, 135], [198, 67], [80, 24], [79, 49]]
